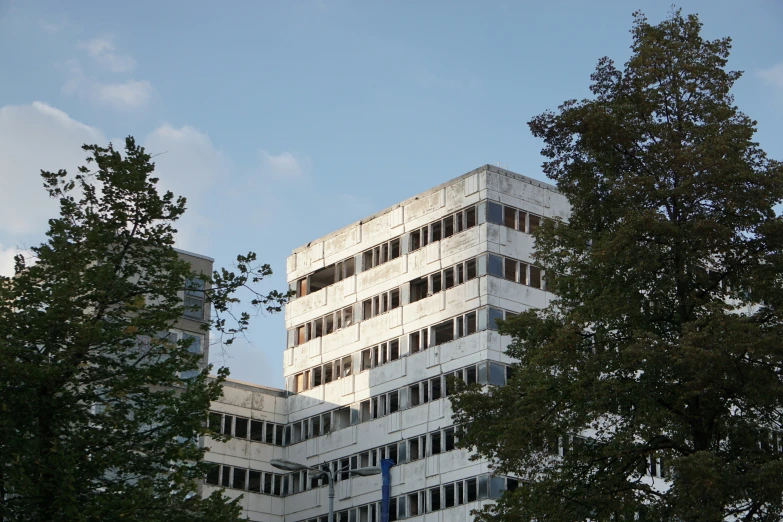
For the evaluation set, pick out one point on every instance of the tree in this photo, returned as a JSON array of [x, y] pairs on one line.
[[662, 350], [95, 421]]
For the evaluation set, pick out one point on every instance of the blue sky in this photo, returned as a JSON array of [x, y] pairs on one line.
[[284, 121]]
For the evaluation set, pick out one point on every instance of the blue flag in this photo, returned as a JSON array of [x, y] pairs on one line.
[[386, 465]]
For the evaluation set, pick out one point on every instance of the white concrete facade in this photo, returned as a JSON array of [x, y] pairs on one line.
[[386, 309]]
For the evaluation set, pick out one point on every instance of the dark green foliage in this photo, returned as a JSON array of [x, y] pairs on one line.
[[95, 422], [666, 336]]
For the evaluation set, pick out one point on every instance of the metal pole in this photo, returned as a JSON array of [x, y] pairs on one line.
[[330, 474]]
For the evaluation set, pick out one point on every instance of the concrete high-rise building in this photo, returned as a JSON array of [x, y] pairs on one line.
[[386, 310]]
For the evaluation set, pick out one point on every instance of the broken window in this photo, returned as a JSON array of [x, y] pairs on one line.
[[415, 240], [460, 326], [495, 266], [300, 335], [435, 439], [470, 268], [522, 223], [494, 213], [342, 418], [460, 275], [424, 339], [384, 255], [317, 374], [534, 223], [425, 236], [523, 273], [470, 323], [394, 247], [376, 305], [327, 373], [418, 289], [436, 229], [384, 303], [256, 430], [318, 328], [326, 423], [470, 375], [322, 278], [346, 366], [436, 282], [394, 401], [394, 298], [347, 316], [448, 227], [435, 499], [448, 435], [470, 217], [443, 332], [413, 393], [394, 350], [535, 276], [228, 421], [337, 370], [436, 388], [226, 478], [278, 435], [315, 425], [364, 411], [510, 217], [254, 482], [367, 260], [213, 476], [328, 324], [413, 446], [302, 287], [240, 428], [367, 309], [366, 360], [448, 278], [510, 269], [448, 496], [384, 355], [458, 223], [413, 341]]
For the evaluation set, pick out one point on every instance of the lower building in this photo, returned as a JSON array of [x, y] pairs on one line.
[[387, 311]]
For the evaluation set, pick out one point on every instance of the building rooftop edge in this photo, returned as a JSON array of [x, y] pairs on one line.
[[411, 199], [193, 254], [259, 387]]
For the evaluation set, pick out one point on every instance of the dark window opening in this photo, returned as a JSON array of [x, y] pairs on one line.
[[418, 289], [436, 388], [494, 213], [510, 269], [535, 276], [256, 430], [448, 278], [395, 248], [470, 267], [495, 266], [415, 240], [470, 217], [240, 429], [444, 332], [521, 226], [436, 282], [436, 228], [435, 448], [448, 227], [510, 217]]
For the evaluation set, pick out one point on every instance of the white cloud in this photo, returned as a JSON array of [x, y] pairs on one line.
[[7, 260], [128, 95], [103, 51], [284, 165], [188, 164], [35, 137], [773, 75]]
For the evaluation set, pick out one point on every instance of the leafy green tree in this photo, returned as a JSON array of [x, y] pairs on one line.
[[663, 350], [95, 421]]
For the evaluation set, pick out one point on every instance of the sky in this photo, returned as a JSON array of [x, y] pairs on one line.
[[283, 121]]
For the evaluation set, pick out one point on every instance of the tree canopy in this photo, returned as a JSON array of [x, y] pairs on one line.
[[98, 420], [652, 385]]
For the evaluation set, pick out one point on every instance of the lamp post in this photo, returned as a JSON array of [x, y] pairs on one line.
[[331, 475]]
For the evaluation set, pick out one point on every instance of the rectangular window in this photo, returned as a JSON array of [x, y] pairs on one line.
[[194, 299], [413, 446], [495, 266], [366, 359], [394, 401], [444, 332], [458, 223], [497, 374], [413, 393], [522, 223], [347, 316], [510, 269], [418, 289], [494, 315], [413, 504], [470, 217], [483, 486], [394, 350], [367, 260], [471, 487], [278, 487], [470, 268], [460, 273], [470, 375], [327, 373], [448, 434], [256, 430], [436, 282], [254, 482], [317, 376], [414, 240], [510, 217], [225, 480], [435, 499], [494, 213], [278, 435], [436, 388], [315, 425], [470, 323], [268, 483], [213, 475], [448, 496], [535, 276], [240, 429], [523, 273], [534, 223], [326, 422], [460, 326], [346, 366], [394, 298], [228, 424], [329, 324], [216, 421], [240, 476], [436, 228], [448, 278], [435, 439], [448, 227], [364, 411]]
